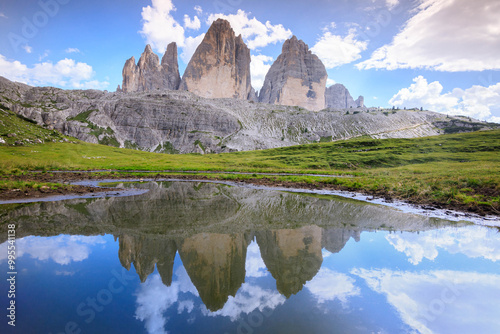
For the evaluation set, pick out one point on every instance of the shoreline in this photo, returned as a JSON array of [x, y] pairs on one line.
[[67, 179]]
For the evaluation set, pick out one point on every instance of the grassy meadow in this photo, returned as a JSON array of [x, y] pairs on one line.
[[461, 170]]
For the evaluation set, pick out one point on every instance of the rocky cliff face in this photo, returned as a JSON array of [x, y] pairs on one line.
[[338, 97], [296, 78], [220, 66], [149, 74]]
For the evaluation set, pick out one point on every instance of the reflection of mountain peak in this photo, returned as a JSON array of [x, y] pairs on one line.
[[334, 239], [292, 256], [144, 251], [216, 265]]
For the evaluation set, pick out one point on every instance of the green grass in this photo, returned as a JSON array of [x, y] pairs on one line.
[[462, 169]]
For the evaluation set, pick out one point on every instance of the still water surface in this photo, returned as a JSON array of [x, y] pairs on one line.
[[190, 257]]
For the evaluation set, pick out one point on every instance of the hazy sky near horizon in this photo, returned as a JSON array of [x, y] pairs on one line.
[[442, 55]]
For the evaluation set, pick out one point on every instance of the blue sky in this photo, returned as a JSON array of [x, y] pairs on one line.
[[442, 55]]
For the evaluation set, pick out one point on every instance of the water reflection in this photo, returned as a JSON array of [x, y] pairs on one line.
[[206, 251]]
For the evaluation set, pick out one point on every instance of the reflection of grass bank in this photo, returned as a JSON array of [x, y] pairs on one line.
[[459, 170]]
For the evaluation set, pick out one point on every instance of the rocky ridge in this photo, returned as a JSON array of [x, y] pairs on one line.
[[181, 122]]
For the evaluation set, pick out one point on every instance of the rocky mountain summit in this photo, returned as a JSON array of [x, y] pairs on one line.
[[296, 78], [338, 97], [149, 74], [220, 66]]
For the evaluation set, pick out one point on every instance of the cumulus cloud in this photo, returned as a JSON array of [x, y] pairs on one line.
[[259, 66], [72, 50], [328, 285], [194, 24], [255, 33], [434, 302], [444, 35], [473, 242], [190, 45], [65, 73], [62, 249], [335, 50], [476, 101], [159, 27], [198, 10]]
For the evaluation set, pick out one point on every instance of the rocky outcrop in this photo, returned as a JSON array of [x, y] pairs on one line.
[[149, 74], [338, 97], [296, 78], [220, 66]]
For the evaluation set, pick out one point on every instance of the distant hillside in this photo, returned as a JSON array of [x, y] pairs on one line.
[[181, 122]]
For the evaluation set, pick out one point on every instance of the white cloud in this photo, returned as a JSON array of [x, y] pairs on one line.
[[440, 301], [473, 242], [444, 35], [255, 33], [194, 24], [65, 73], [62, 249], [159, 27], [259, 66], [27, 48], [190, 45], [328, 285], [330, 82], [335, 50], [72, 50], [494, 119], [3, 15], [198, 10], [391, 3], [476, 101]]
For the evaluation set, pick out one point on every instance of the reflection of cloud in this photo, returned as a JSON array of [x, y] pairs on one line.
[[248, 299], [154, 298], [474, 242], [440, 301], [62, 249], [254, 265], [329, 285]]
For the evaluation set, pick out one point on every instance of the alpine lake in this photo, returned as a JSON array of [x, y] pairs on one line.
[[201, 257]]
